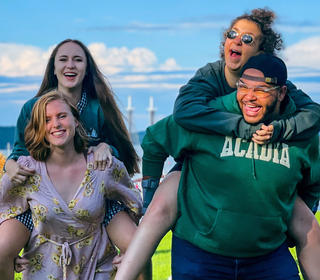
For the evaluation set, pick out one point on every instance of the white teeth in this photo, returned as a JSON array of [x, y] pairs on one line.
[[70, 74], [57, 133]]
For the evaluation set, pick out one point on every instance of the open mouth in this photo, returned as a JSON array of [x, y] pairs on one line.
[[58, 133], [70, 75], [234, 53], [251, 109]]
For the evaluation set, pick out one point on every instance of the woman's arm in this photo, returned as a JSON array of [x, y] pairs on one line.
[[193, 112]]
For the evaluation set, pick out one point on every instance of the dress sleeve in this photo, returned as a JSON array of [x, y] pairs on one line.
[[13, 199], [119, 186]]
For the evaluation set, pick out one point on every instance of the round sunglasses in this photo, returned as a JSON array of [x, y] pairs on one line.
[[245, 38]]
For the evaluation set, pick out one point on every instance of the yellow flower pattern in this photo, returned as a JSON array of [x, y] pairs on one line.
[[36, 263], [72, 203], [11, 212], [102, 188], [77, 222], [40, 211], [78, 268], [41, 239], [84, 243], [55, 201], [118, 173], [83, 214], [57, 210], [88, 191]]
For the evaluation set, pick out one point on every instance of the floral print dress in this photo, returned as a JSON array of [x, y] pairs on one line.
[[68, 241]]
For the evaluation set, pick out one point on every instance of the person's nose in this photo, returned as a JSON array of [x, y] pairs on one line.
[[237, 40], [250, 95], [70, 64], [56, 123]]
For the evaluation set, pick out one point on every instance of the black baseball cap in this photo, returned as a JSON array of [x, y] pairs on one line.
[[273, 68]]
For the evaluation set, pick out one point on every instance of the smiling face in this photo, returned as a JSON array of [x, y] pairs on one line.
[[259, 106], [236, 53], [70, 65], [60, 124]]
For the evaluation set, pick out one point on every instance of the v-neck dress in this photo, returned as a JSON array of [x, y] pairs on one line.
[[68, 241]]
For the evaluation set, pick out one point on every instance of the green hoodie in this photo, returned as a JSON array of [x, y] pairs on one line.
[[235, 197]]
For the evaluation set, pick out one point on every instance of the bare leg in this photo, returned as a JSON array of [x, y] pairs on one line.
[[13, 237], [159, 218], [121, 230], [304, 228]]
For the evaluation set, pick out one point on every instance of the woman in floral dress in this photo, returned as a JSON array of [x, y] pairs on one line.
[[67, 198]]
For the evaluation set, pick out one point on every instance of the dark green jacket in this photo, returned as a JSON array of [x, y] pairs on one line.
[[191, 109], [91, 117], [235, 197]]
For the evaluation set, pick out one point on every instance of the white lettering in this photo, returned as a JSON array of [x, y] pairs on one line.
[[285, 160], [237, 151], [267, 152], [227, 147]]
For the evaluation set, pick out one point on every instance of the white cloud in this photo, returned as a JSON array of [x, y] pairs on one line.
[[169, 65], [23, 60], [114, 60], [304, 53]]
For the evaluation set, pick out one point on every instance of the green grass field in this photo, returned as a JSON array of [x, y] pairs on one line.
[[161, 260]]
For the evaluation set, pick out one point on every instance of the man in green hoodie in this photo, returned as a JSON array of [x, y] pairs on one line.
[[235, 197]]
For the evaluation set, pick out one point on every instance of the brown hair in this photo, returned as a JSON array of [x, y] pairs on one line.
[[271, 41], [97, 87], [35, 132]]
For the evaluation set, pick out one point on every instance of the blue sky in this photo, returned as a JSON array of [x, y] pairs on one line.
[[145, 48]]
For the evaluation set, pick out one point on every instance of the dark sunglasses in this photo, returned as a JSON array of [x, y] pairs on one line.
[[245, 38]]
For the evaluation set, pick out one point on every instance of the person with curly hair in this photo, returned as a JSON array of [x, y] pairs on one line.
[[248, 35]]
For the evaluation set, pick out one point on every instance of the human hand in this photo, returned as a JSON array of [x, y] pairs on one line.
[[102, 156], [20, 264], [263, 135], [18, 174], [116, 262]]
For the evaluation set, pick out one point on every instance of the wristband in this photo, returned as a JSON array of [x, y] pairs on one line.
[[149, 186]]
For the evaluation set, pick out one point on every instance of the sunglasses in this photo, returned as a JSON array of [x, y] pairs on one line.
[[245, 38]]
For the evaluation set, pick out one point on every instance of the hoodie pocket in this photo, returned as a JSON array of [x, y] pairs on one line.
[[242, 235]]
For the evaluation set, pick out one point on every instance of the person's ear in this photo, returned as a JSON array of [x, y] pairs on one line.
[[282, 93]]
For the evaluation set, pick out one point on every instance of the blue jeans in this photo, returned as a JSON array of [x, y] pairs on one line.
[[190, 263]]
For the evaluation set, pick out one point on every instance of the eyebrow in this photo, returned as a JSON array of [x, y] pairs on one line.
[[76, 56]]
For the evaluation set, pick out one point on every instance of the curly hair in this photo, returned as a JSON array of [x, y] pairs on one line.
[[263, 18]]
